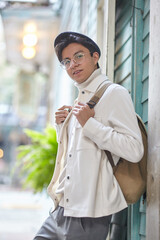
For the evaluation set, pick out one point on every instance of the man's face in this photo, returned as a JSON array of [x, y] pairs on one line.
[[80, 71]]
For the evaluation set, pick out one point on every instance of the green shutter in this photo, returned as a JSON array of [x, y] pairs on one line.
[[122, 75], [140, 78], [145, 60], [144, 99], [123, 44], [131, 71]]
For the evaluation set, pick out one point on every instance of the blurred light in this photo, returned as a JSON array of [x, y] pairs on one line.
[[30, 28], [3, 5], [53, 1], [4, 109], [2, 46], [1, 153], [29, 1], [28, 52], [30, 40]]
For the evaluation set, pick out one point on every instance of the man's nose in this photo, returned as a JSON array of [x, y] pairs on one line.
[[73, 63]]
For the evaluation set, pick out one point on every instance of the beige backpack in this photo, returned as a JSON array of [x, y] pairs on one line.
[[132, 177]]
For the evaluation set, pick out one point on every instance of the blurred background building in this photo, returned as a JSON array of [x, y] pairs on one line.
[[33, 86], [27, 31]]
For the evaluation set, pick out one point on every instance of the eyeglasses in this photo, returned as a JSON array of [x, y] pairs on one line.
[[78, 58]]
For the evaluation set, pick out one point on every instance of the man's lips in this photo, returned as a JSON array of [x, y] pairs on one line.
[[77, 72]]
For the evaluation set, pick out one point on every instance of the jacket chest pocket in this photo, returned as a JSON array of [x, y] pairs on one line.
[[82, 142]]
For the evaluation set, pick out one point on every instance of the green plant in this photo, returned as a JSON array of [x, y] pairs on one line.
[[37, 159]]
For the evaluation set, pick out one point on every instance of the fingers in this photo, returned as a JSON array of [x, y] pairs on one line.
[[65, 107], [62, 113], [83, 113], [81, 104], [80, 107]]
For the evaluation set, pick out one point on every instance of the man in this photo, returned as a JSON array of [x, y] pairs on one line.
[[83, 188]]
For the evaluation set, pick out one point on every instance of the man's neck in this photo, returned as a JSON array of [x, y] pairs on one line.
[[88, 80]]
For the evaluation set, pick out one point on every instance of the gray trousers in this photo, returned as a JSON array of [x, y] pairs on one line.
[[59, 227]]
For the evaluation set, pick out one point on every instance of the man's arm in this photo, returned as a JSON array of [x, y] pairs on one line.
[[118, 130]]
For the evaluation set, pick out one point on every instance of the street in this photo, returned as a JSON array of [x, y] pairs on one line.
[[21, 213]]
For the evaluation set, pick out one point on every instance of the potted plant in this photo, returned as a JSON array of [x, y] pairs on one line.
[[37, 159]]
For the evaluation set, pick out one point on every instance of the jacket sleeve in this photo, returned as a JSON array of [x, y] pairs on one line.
[[118, 130]]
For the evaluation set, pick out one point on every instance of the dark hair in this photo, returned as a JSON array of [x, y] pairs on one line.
[[66, 38]]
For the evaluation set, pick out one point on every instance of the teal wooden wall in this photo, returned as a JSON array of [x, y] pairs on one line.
[[123, 44], [131, 71], [144, 97], [145, 61]]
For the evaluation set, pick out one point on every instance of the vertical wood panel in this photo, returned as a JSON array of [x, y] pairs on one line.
[[153, 187], [131, 70], [123, 42], [122, 75]]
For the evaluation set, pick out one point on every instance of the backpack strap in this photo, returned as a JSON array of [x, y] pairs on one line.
[[110, 159], [96, 97], [92, 102]]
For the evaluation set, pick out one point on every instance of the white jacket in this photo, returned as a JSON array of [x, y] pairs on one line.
[[91, 189]]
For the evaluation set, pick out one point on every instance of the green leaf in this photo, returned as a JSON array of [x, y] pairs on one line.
[[37, 160]]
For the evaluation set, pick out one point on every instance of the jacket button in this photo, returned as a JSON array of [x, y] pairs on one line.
[[68, 177], [67, 200], [70, 155], [83, 92]]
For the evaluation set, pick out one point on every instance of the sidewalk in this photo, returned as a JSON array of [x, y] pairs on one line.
[[21, 213]]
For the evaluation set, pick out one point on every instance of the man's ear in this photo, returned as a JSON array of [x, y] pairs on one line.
[[96, 57]]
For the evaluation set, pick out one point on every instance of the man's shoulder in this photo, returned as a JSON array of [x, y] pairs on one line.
[[116, 86], [115, 90]]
